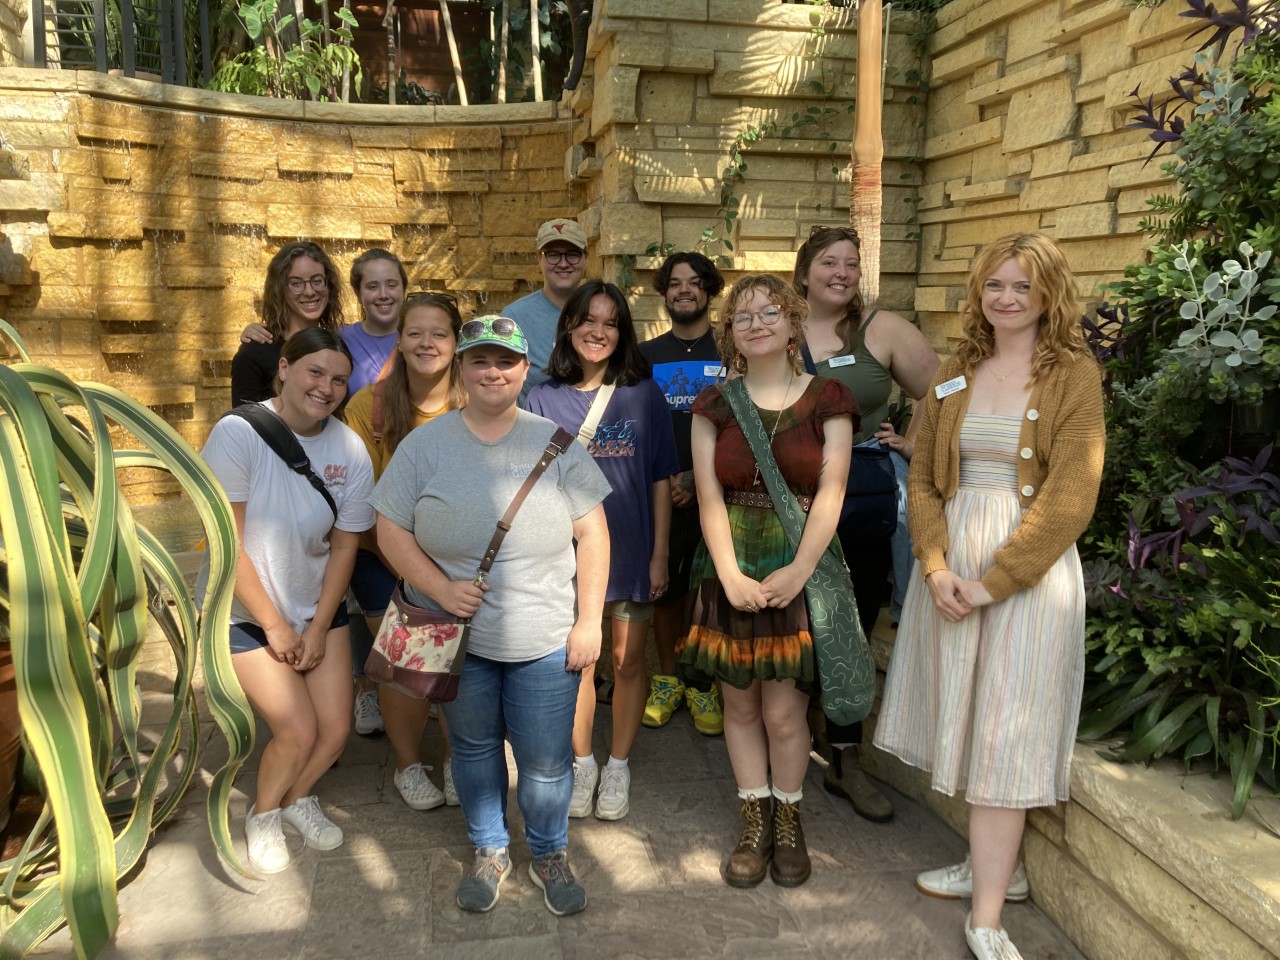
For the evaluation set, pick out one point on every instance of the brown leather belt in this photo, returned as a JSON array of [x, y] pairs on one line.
[[761, 500]]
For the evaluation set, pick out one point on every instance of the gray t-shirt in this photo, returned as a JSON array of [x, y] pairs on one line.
[[450, 488], [537, 317]]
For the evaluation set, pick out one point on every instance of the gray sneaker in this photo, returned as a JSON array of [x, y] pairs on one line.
[[562, 893], [478, 891]]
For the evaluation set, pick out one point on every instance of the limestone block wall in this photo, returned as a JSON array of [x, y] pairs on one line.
[[13, 13], [136, 251], [671, 83], [1027, 107]]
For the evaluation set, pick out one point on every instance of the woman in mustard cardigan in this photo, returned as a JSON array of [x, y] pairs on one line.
[[985, 682]]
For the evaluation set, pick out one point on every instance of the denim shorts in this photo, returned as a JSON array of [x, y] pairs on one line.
[[372, 583], [247, 637], [628, 611]]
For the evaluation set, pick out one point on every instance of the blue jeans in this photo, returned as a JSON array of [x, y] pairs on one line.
[[530, 703]]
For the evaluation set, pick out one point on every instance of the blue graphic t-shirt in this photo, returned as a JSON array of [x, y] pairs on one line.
[[681, 374], [634, 448]]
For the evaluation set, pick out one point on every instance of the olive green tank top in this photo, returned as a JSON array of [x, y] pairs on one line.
[[868, 381]]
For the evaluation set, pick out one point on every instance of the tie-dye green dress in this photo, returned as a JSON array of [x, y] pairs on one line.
[[775, 643]]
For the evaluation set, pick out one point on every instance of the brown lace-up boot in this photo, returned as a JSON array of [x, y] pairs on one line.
[[790, 866], [750, 860]]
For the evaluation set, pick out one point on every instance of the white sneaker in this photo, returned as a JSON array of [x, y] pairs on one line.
[[268, 853], [988, 944], [450, 791], [615, 783], [584, 789], [955, 882], [368, 714], [304, 816], [417, 789]]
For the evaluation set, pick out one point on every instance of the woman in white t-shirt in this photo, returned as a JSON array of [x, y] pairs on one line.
[[289, 639]]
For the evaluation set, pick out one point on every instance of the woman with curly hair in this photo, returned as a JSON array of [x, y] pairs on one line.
[[985, 682], [301, 291], [750, 625]]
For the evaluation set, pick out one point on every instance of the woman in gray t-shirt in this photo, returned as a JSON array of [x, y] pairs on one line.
[[438, 502]]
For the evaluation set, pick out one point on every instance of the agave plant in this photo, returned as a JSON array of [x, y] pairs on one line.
[[79, 584]]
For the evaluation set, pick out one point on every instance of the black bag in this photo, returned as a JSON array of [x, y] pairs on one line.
[[871, 492], [275, 433]]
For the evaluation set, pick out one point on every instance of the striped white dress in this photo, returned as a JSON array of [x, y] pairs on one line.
[[989, 705]]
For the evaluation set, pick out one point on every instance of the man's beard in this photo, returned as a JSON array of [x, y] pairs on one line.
[[685, 317]]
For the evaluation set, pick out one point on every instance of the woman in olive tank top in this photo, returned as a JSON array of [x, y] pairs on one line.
[[868, 351]]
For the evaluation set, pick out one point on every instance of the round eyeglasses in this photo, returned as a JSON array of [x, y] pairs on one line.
[[768, 316]]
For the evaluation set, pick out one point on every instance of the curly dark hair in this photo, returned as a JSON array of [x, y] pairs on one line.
[[712, 281], [275, 315]]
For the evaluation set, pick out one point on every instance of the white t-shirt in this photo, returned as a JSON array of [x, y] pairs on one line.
[[287, 522]]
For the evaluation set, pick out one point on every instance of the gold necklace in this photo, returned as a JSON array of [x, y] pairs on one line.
[[756, 479], [1000, 379]]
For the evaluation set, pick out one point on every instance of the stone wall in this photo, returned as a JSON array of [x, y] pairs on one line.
[[13, 14], [1028, 103], [136, 251], [671, 83]]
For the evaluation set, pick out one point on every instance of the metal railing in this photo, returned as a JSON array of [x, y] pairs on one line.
[[132, 36]]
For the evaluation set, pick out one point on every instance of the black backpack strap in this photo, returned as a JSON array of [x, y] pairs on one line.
[[809, 366], [275, 433]]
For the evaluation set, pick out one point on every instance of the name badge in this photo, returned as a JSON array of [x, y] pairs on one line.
[[943, 390], [713, 370], [846, 361]]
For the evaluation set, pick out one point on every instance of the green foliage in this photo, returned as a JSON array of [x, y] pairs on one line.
[[1183, 557], [79, 584], [291, 59], [555, 41]]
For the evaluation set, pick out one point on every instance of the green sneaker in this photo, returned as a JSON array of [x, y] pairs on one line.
[[708, 718], [664, 699]]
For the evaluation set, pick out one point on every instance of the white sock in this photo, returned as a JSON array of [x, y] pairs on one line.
[[760, 793], [588, 761], [617, 764], [788, 797]]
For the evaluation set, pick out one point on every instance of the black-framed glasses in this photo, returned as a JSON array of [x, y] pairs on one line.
[[571, 257], [318, 283], [768, 316]]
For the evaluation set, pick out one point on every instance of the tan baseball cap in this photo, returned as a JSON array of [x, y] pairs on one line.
[[562, 229]]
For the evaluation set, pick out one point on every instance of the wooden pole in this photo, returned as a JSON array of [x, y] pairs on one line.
[[866, 191], [535, 45], [453, 51]]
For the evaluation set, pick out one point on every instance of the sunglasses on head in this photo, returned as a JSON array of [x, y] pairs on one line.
[[499, 326]]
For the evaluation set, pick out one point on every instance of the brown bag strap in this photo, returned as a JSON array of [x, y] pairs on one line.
[[376, 418], [559, 441]]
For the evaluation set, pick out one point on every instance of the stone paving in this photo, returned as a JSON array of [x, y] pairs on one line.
[[653, 879]]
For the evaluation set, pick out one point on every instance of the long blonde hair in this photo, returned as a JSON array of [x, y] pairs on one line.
[[1061, 335], [392, 391]]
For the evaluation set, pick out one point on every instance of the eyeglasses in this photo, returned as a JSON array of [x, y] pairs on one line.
[[318, 282], [768, 316], [571, 257], [499, 331], [501, 326]]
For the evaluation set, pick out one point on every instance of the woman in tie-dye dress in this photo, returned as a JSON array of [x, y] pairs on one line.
[[985, 682]]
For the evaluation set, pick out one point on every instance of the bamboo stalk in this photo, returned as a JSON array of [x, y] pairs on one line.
[[535, 46], [388, 21], [453, 51], [501, 84]]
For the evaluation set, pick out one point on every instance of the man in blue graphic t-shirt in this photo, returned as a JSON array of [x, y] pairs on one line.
[[685, 361]]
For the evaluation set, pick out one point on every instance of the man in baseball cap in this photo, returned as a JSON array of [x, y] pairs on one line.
[[562, 254]]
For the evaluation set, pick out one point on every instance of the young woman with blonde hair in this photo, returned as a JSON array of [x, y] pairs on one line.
[[985, 682]]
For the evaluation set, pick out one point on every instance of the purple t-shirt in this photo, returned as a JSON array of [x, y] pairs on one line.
[[370, 354], [634, 448]]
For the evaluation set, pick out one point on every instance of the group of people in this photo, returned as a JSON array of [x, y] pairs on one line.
[[660, 511]]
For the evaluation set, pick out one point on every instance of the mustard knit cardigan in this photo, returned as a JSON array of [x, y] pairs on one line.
[[1060, 454]]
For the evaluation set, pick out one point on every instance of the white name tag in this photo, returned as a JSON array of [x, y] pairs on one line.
[[944, 390], [713, 370], [847, 361]]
